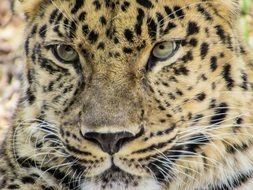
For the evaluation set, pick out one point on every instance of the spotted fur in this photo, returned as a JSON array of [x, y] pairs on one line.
[[190, 115]]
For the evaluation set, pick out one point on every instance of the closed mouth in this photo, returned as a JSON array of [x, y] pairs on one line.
[[114, 171]]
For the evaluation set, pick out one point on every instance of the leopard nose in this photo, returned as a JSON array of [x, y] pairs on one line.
[[109, 142]]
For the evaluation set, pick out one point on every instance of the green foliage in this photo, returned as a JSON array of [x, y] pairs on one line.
[[246, 6], [246, 9]]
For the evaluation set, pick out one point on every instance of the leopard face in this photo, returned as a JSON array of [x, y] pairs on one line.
[[134, 94]]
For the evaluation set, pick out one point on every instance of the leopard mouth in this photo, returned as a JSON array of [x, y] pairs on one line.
[[114, 171], [80, 167], [115, 178]]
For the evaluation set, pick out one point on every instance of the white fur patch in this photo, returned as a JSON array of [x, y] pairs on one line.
[[148, 184], [246, 186]]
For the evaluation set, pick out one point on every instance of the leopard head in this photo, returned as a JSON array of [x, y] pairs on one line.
[[134, 94]]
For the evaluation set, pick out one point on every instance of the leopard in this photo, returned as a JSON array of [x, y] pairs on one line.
[[132, 95]]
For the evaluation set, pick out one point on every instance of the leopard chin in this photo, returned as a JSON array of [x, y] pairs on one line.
[[148, 184], [116, 179]]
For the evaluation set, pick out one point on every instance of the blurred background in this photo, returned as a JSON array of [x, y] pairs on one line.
[[11, 60]]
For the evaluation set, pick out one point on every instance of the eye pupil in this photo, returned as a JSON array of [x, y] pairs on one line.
[[161, 46], [68, 48]]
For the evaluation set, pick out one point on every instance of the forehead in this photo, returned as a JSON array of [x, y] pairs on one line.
[[120, 20]]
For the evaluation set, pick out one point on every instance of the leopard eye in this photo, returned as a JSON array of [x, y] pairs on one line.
[[164, 50], [65, 53]]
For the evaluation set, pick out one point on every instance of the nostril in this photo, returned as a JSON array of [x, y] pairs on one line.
[[109, 142], [93, 137]]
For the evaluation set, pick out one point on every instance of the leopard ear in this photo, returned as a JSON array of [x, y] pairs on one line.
[[30, 7]]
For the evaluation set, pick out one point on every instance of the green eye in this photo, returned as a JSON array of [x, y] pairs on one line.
[[164, 50], [65, 53]]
